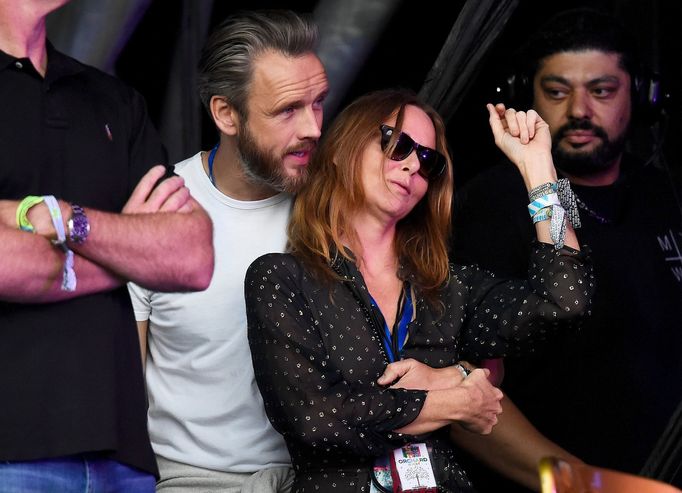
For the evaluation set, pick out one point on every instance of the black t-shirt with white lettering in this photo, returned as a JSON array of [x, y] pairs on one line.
[[607, 394]]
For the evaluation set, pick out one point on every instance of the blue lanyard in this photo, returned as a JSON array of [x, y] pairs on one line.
[[211, 157], [394, 342]]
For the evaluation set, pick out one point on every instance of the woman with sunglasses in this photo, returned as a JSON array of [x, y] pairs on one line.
[[367, 282]]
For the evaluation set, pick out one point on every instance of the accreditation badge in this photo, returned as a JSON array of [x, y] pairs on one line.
[[411, 469]]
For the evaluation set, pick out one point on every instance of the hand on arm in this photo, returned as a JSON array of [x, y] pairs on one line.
[[171, 195], [412, 374], [471, 401], [31, 267], [514, 447], [525, 139], [162, 240]]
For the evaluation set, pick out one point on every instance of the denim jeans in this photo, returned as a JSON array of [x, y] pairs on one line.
[[74, 474]]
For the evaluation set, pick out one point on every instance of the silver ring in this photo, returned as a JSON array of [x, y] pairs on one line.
[[462, 370]]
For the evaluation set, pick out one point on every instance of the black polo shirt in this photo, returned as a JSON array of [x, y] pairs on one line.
[[70, 372]]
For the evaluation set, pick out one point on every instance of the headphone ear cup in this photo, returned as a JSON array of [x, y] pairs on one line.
[[515, 91], [647, 98]]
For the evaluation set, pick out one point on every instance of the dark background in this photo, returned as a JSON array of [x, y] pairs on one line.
[[406, 50]]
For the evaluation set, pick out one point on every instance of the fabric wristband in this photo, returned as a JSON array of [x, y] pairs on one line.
[[542, 215], [562, 188], [542, 202], [22, 212], [559, 200], [69, 280]]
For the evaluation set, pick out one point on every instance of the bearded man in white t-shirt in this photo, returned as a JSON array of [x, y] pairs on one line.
[[263, 85]]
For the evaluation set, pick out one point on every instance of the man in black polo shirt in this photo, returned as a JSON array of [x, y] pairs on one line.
[[73, 413]]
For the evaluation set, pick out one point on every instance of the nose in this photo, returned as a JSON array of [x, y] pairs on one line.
[[310, 123], [411, 163], [580, 106]]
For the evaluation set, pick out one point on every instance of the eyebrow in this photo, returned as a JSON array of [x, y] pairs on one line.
[[296, 103], [596, 80]]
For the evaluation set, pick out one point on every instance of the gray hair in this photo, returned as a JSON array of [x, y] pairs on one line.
[[226, 64]]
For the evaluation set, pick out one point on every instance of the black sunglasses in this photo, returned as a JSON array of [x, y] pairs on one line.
[[431, 162]]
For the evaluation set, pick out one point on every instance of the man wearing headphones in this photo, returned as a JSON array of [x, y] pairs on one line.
[[607, 393]]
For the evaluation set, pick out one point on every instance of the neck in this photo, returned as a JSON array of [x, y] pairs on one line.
[[379, 264], [377, 246], [229, 176], [22, 32], [601, 178]]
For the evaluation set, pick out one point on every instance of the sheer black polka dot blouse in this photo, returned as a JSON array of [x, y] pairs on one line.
[[317, 353]]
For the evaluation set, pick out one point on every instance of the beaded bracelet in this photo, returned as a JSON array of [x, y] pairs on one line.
[[540, 190], [69, 275], [568, 202], [557, 226]]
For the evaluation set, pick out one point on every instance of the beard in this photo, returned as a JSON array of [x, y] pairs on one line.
[[264, 167], [586, 163]]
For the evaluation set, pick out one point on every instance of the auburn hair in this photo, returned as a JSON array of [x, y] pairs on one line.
[[324, 208]]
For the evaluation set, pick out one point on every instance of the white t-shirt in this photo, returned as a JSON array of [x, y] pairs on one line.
[[204, 406]]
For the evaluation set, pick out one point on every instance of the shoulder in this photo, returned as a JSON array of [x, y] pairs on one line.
[[650, 182], [461, 274], [183, 167], [652, 176], [273, 266], [90, 81]]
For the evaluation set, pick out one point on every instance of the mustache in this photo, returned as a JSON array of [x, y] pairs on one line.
[[305, 146], [581, 124]]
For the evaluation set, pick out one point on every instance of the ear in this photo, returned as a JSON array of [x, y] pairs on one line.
[[224, 115]]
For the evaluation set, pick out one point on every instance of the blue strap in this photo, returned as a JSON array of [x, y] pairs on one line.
[[394, 341], [211, 157]]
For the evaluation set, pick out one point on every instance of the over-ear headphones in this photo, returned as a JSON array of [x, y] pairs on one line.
[[514, 90], [648, 98]]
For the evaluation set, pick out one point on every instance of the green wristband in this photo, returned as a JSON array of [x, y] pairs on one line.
[[22, 212]]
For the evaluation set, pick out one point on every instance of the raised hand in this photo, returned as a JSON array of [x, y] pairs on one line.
[[525, 139]]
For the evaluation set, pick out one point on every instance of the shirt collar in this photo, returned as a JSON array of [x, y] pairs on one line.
[[58, 64], [6, 60]]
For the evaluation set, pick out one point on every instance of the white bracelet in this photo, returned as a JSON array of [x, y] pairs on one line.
[[69, 275]]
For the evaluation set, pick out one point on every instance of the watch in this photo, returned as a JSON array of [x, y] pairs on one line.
[[78, 225]]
